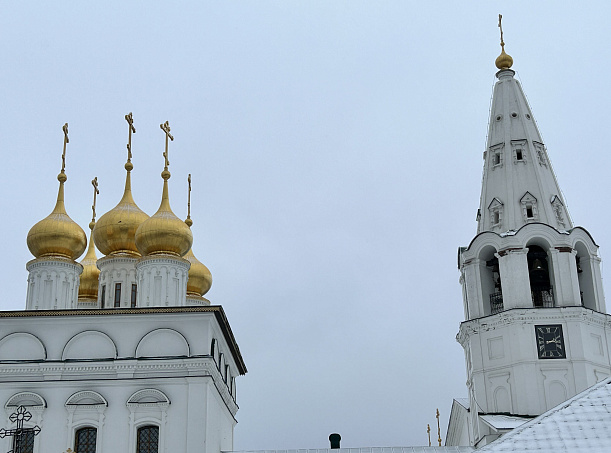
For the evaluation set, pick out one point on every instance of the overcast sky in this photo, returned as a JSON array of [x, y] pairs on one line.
[[336, 153]]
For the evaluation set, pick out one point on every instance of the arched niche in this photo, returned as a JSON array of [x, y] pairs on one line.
[[540, 273], [23, 347], [86, 398], [163, 343], [26, 399], [90, 345], [490, 280], [148, 396]]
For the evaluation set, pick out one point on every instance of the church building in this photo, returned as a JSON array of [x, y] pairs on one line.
[[536, 332], [121, 353]]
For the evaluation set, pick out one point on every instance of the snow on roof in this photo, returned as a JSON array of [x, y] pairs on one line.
[[372, 450], [579, 424], [464, 402], [497, 422]]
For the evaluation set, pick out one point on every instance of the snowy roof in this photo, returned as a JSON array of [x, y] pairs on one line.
[[371, 450], [579, 424], [464, 402], [497, 422]]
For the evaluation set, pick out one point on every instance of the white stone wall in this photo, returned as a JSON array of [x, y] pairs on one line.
[[116, 372]]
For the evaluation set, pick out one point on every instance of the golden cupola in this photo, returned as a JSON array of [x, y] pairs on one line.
[[57, 235], [115, 231], [164, 233], [200, 278], [89, 282]]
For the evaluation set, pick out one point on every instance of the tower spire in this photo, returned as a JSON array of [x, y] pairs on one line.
[[503, 61]]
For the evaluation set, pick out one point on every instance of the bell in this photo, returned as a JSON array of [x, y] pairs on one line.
[[537, 266]]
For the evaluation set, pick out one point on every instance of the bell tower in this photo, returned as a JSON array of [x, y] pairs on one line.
[[536, 329]]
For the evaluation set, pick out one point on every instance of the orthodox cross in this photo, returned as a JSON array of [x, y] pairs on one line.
[[189, 198], [96, 191], [165, 127], [66, 140], [428, 431], [130, 120], [19, 433], [501, 27]]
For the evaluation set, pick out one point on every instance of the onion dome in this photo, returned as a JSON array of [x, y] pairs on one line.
[[504, 61], [200, 278], [57, 235], [164, 233], [115, 231], [88, 286]]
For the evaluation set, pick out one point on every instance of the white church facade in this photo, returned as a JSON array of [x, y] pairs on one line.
[[121, 353]]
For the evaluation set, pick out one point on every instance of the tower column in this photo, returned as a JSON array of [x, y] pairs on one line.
[[565, 282], [472, 289], [116, 270], [513, 268]]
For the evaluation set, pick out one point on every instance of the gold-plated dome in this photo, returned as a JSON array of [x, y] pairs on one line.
[[115, 231], [88, 286], [504, 61], [164, 233], [57, 235], [200, 278]]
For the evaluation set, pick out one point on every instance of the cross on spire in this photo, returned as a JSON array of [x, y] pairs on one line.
[[66, 140], [189, 198], [130, 121], [19, 433], [96, 191], [165, 127], [501, 27]]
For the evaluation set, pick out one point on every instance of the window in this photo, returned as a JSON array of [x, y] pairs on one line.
[[529, 211], [24, 442], [134, 294], [212, 345], [117, 295], [103, 296], [148, 440], [519, 154], [496, 158], [84, 440]]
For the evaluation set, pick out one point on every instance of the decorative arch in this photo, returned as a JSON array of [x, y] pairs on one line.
[[26, 399], [163, 343], [86, 398], [22, 346], [89, 345], [148, 396]]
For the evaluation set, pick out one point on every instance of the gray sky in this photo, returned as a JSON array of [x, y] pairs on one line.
[[336, 152]]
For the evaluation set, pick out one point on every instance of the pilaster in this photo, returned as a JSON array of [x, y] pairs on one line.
[[513, 266]]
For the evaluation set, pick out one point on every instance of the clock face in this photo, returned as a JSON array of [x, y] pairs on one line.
[[550, 342]]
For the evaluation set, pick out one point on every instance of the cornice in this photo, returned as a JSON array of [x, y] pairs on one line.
[[217, 310]]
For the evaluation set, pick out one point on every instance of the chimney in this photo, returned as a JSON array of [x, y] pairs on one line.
[[334, 439]]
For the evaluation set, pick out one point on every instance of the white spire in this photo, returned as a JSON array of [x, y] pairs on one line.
[[518, 185]]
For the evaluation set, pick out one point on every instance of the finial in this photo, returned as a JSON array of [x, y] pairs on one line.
[[130, 121], [428, 431], [438, 428], [96, 191], [62, 174], [165, 127], [503, 61], [189, 222]]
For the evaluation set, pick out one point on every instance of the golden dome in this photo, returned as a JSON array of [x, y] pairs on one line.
[[164, 233], [88, 287], [57, 235], [200, 278], [115, 231], [504, 61]]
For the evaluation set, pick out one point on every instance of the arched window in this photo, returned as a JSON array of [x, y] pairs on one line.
[[538, 271], [212, 345], [148, 439], [84, 440]]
